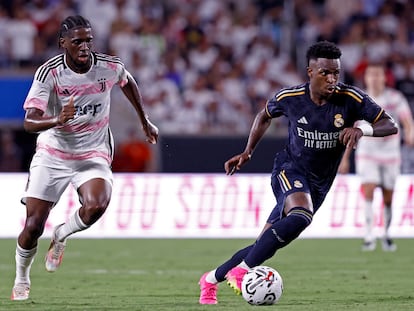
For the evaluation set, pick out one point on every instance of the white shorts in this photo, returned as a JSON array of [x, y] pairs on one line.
[[49, 176], [381, 174]]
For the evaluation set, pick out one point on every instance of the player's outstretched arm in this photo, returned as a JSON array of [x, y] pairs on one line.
[[35, 121], [260, 124], [133, 94]]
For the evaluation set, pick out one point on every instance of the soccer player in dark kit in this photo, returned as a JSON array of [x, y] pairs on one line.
[[321, 116]]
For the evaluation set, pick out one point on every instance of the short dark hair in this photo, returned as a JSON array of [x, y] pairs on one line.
[[73, 22], [376, 63], [323, 49]]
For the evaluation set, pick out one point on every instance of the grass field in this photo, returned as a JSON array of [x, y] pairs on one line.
[[145, 274]]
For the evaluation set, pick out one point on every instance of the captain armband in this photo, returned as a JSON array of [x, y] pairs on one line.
[[367, 129]]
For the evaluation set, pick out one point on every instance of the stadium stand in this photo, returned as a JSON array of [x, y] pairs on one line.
[[213, 63]]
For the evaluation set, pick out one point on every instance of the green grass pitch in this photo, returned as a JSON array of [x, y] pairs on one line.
[[162, 274]]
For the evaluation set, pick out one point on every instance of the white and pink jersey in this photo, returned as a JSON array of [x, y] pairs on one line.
[[385, 149], [88, 134]]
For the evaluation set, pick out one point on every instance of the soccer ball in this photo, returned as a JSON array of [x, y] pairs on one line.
[[262, 285]]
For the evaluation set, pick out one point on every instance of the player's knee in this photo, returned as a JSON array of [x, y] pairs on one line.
[[95, 207], [33, 228], [93, 210]]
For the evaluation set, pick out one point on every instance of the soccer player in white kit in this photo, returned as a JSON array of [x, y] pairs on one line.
[[378, 160], [68, 104]]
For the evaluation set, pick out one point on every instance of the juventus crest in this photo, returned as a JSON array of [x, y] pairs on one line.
[[102, 83]]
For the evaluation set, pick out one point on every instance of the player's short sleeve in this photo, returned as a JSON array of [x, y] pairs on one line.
[[122, 74], [274, 108], [40, 90], [115, 64], [370, 111]]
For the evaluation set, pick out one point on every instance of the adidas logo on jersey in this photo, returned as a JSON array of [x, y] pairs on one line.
[[303, 120]]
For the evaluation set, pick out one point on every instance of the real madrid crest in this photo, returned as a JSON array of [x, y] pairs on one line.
[[339, 121], [297, 184]]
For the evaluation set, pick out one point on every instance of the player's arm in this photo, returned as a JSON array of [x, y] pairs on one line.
[[35, 120], [261, 123], [133, 94], [384, 126]]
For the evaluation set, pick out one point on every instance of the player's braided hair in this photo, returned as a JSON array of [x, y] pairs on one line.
[[323, 49], [72, 22]]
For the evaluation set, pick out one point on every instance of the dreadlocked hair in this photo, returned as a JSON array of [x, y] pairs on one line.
[[71, 23], [323, 49]]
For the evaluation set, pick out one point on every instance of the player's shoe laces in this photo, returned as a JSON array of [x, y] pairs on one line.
[[235, 277], [369, 246], [388, 245], [54, 255], [208, 291], [20, 291]]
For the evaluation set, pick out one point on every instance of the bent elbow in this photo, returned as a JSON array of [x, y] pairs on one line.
[[28, 127], [390, 131], [395, 130]]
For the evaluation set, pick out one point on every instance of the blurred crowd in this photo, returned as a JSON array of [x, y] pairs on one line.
[[207, 66]]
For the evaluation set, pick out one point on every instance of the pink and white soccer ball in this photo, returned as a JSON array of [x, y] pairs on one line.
[[262, 285]]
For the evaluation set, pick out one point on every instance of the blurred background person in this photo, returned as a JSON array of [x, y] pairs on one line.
[[378, 160]]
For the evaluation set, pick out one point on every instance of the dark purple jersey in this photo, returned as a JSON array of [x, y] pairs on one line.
[[313, 145]]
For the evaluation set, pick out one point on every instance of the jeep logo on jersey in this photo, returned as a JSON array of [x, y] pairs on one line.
[[91, 109], [102, 83]]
